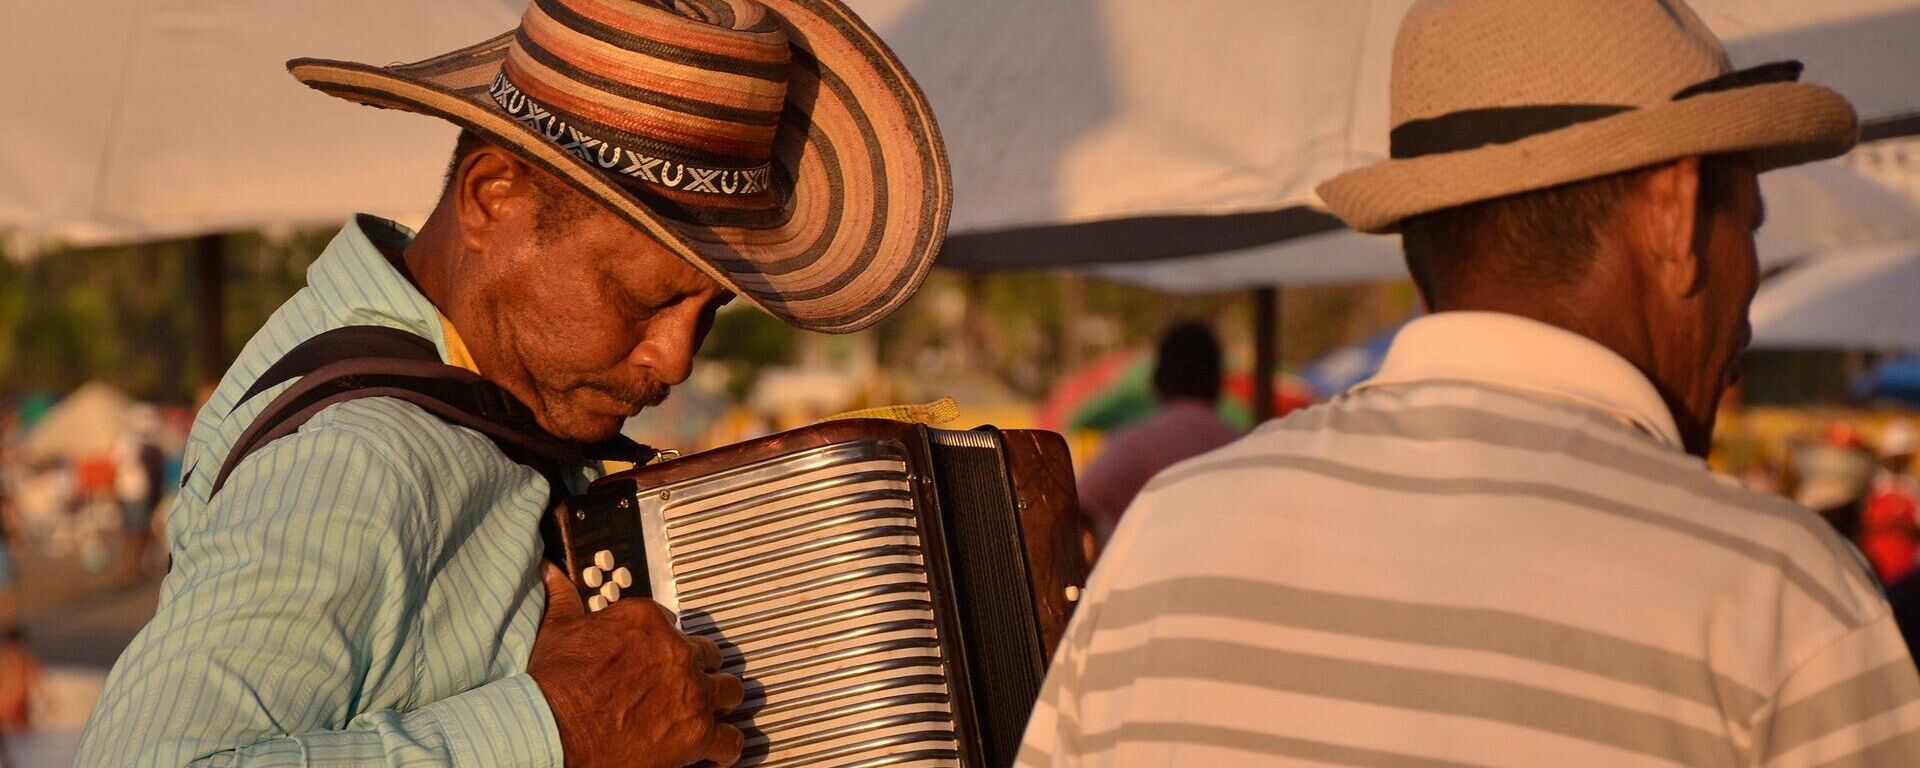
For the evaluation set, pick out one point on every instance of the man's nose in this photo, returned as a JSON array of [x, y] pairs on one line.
[[668, 349]]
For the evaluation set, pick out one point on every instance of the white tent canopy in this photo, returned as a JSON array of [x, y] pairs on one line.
[[1812, 210], [1076, 111], [164, 118], [84, 424], [1867, 300], [158, 118]]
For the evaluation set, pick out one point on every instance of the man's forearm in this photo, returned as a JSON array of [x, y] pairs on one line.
[[503, 724]]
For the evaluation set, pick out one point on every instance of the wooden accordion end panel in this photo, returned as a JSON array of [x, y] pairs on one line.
[[889, 593]]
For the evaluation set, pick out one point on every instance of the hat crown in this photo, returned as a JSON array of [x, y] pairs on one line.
[[1457, 55], [778, 146], [681, 97]]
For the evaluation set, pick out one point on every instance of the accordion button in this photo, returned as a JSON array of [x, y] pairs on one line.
[[623, 577], [604, 559], [610, 591], [1073, 594], [592, 576], [596, 603]]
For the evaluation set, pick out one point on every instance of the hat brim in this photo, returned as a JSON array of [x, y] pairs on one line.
[[858, 156], [1781, 124]]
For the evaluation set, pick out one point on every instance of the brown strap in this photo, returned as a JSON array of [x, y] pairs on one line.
[[333, 368], [338, 344]]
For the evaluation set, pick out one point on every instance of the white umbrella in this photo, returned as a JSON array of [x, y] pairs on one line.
[[1867, 300], [145, 119], [1813, 211], [1085, 131], [1863, 48], [148, 119]]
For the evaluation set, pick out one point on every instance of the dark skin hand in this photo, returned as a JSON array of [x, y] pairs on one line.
[[628, 689]]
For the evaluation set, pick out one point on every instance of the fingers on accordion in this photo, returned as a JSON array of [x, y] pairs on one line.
[[563, 598], [706, 653], [727, 692], [725, 744]]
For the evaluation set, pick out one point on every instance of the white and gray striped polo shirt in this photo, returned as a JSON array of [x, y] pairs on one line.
[[1493, 554]]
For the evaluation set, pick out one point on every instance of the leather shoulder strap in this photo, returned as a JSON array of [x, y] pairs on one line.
[[340, 344], [372, 361]]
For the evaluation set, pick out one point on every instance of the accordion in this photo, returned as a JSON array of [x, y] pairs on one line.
[[888, 593]]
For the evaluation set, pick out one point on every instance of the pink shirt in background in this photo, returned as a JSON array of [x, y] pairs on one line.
[[1180, 430]]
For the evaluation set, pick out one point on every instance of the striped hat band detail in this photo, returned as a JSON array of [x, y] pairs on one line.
[[622, 160], [677, 96]]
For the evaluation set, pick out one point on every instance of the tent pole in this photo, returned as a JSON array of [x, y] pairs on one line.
[[1266, 348], [209, 268], [1073, 306]]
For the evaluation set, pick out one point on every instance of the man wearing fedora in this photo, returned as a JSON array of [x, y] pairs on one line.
[[369, 589], [1506, 549]]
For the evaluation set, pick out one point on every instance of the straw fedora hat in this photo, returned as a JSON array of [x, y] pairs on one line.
[[777, 145], [1497, 97]]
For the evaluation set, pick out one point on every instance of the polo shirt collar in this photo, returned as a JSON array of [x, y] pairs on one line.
[[1518, 353]]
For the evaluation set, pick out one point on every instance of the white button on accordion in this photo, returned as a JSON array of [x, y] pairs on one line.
[[888, 593]]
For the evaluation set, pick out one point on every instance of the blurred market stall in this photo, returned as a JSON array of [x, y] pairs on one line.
[[83, 425]]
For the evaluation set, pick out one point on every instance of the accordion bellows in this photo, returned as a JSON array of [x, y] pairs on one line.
[[888, 593]]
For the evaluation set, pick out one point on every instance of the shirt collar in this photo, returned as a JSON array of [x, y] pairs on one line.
[[457, 354], [1518, 353], [356, 283]]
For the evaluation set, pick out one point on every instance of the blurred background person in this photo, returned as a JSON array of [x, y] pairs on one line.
[[1830, 476], [1890, 534], [139, 481], [19, 672], [9, 584], [1890, 524], [1186, 378], [10, 538], [20, 680]]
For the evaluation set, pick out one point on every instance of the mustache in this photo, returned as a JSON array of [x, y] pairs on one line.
[[645, 394]]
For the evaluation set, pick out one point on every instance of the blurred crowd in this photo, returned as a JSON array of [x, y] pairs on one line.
[[84, 483], [1865, 490]]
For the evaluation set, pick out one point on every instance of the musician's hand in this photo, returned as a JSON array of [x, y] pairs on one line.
[[627, 688]]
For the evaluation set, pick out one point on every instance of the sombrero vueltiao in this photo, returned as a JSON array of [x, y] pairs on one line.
[[1497, 97], [778, 146]]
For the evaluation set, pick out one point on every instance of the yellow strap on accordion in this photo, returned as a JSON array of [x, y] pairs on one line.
[[931, 414]]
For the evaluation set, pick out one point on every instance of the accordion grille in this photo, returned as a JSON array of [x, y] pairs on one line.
[[808, 571]]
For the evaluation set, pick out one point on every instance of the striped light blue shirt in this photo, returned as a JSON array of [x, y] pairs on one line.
[[365, 591]]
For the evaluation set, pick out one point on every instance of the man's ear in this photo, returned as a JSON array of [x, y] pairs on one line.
[[1670, 223], [491, 186]]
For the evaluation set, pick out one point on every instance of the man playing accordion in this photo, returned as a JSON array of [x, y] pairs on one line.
[[367, 588]]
